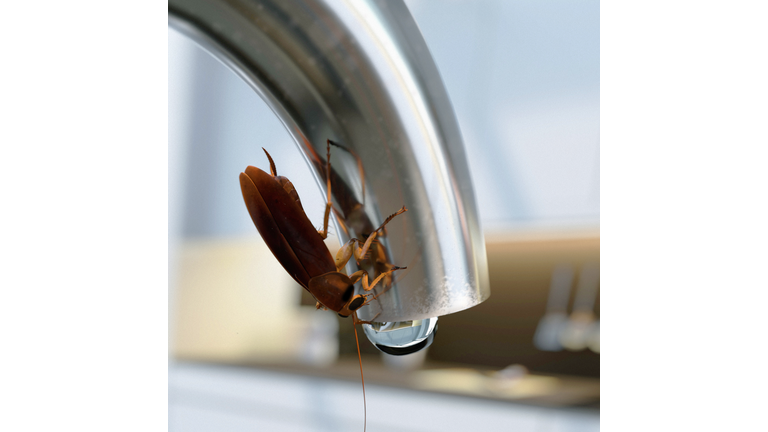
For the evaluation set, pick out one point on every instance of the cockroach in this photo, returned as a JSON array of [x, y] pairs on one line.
[[276, 210]]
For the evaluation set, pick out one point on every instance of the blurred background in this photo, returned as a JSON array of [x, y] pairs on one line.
[[248, 349]]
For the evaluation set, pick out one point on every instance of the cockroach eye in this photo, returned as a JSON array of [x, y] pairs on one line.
[[356, 303], [402, 337]]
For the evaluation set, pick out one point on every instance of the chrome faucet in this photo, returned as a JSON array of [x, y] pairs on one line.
[[359, 73]]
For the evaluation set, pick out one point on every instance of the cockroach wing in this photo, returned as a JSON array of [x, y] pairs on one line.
[[289, 189], [332, 289], [284, 226]]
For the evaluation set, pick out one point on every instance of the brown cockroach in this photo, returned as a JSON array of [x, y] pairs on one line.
[[276, 210]]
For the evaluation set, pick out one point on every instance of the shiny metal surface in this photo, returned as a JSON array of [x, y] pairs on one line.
[[359, 73]]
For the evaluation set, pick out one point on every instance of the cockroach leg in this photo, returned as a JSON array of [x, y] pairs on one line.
[[362, 274], [360, 252], [349, 248], [324, 232], [356, 320], [380, 277], [344, 254]]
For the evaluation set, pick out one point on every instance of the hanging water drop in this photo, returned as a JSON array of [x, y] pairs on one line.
[[402, 337]]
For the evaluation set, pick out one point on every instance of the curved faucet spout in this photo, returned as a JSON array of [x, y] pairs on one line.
[[359, 73]]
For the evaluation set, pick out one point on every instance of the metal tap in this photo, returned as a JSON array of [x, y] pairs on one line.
[[359, 73]]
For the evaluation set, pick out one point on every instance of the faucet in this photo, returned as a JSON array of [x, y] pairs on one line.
[[359, 73]]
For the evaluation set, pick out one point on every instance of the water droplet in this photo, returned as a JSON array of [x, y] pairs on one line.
[[402, 337]]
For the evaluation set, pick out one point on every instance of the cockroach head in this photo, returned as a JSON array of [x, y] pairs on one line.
[[354, 304]]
